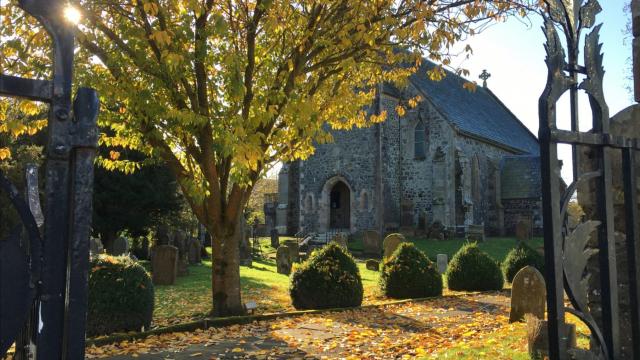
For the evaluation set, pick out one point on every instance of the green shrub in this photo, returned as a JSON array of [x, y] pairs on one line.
[[121, 296], [519, 257], [471, 269], [328, 279], [408, 273]]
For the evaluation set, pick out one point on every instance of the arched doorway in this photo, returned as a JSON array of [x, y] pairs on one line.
[[340, 206]]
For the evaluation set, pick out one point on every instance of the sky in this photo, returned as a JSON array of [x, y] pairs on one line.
[[513, 53]]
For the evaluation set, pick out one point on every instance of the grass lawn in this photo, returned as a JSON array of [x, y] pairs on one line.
[[190, 297]]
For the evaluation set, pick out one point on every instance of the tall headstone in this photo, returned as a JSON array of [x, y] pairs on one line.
[[371, 243], [120, 246], [164, 264], [523, 229], [442, 261], [163, 236], [195, 252], [283, 260], [294, 250], [528, 294], [275, 238], [180, 242], [391, 243], [95, 247]]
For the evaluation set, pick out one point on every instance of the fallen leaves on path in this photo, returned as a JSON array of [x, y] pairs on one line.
[[409, 330]]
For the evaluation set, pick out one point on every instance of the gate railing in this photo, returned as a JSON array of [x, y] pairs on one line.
[[49, 273], [567, 253]]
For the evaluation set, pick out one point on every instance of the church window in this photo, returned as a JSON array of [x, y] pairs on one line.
[[420, 140]]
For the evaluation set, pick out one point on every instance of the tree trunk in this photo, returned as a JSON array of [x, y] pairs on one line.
[[225, 279]]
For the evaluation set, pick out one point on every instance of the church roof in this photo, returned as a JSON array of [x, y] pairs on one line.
[[520, 177], [478, 113]]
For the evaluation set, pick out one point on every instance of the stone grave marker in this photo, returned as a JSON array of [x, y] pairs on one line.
[[180, 242], [475, 233], [436, 231], [523, 230], [528, 294], [294, 250], [340, 239], [195, 254], [371, 243], [95, 247], [164, 264], [283, 260], [373, 265], [120, 246], [391, 243], [275, 238], [442, 261]]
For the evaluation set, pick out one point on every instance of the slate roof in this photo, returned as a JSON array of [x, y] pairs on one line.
[[520, 177], [478, 113]]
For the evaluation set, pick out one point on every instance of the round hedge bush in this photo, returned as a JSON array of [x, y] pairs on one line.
[[121, 296], [408, 273], [519, 257], [328, 279], [471, 269]]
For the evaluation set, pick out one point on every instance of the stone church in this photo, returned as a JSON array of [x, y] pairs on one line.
[[460, 157]]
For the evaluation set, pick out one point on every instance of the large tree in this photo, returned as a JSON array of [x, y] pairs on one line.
[[223, 89]]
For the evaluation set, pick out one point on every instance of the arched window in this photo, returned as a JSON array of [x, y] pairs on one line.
[[420, 140]]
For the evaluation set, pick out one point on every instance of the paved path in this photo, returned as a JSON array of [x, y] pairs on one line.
[[383, 332]]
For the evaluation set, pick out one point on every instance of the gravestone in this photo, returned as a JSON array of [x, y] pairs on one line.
[[283, 260], [275, 238], [142, 252], [373, 265], [294, 250], [95, 247], [180, 242], [371, 243], [164, 264], [195, 254], [442, 261], [391, 243], [528, 294], [538, 338], [120, 246], [341, 240], [523, 230], [162, 235], [475, 233], [436, 231]]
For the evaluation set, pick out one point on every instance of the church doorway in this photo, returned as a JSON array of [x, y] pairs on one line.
[[340, 206]]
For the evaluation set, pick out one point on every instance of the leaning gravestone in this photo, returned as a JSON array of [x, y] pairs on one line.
[[120, 246], [275, 239], [340, 239], [373, 265], [294, 250], [195, 254], [371, 243], [523, 230], [283, 260], [95, 247], [528, 294], [391, 243], [164, 264], [442, 262]]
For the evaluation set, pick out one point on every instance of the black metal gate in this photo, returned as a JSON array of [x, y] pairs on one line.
[[568, 251], [43, 280]]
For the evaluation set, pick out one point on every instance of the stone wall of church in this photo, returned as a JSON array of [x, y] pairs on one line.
[[351, 158]]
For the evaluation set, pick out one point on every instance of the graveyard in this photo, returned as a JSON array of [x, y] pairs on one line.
[[282, 179]]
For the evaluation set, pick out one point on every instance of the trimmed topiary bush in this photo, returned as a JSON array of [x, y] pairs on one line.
[[121, 296], [471, 269], [328, 279], [519, 257], [408, 273]]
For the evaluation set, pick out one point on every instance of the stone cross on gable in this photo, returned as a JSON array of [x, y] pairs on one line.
[[484, 76]]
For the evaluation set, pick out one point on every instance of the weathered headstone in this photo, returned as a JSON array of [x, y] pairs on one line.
[[95, 247], [538, 338], [523, 230], [142, 251], [195, 252], [371, 243], [120, 246], [283, 260], [294, 250], [341, 240], [275, 238], [180, 242], [442, 261], [162, 235], [528, 294], [164, 264], [391, 243], [436, 231], [373, 265], [475, 233]]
